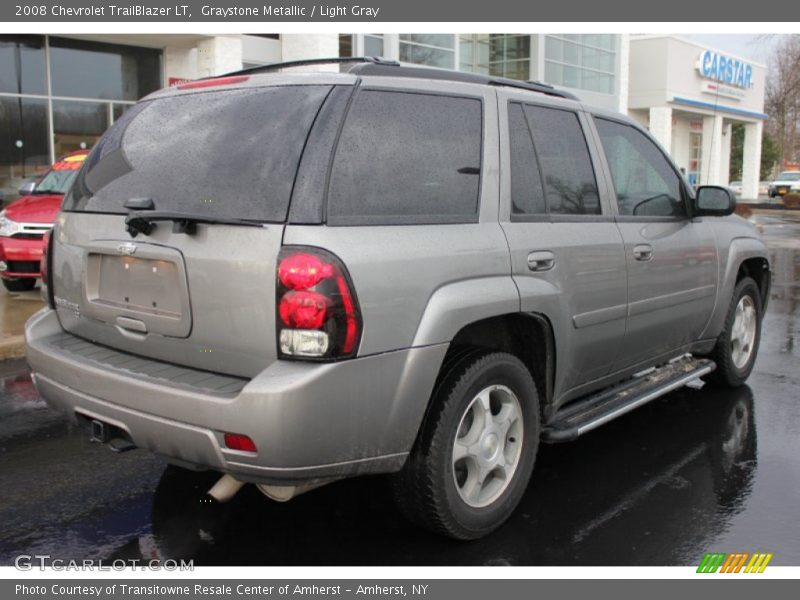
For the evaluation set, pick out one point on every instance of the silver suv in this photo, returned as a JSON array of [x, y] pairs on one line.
[[293, 278]]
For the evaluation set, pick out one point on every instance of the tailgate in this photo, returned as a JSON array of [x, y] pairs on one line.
[[203, 296], [205, 300]]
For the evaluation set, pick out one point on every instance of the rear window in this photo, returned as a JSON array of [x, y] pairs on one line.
[[227, 153], [407, 158]]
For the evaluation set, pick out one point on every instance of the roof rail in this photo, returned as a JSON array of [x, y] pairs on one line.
[[396, 70], [376, 60], [377, 66]]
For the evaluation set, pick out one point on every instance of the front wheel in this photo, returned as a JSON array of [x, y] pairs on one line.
[[737, 346], [474, 457]]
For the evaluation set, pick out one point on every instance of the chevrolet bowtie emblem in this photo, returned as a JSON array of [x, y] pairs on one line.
[[127, 248]]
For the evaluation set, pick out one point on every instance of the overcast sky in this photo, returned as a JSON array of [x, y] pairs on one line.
[[755, 47]]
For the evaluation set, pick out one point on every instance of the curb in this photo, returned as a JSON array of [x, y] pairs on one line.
[[12, 347]]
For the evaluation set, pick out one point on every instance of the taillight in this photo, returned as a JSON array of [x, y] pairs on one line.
[[46, 265], [317, 311]]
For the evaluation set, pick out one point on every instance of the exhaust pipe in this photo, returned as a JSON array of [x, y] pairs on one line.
[[225, 489], [284, 493]]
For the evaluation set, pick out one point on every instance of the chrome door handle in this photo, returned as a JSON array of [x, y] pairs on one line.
[[643, 252], [543, 260]]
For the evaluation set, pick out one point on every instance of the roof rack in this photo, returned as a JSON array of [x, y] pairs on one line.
[[377, 66], [396, 70], [337, 60]]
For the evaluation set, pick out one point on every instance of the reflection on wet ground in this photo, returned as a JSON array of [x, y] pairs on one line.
[[700, 470]]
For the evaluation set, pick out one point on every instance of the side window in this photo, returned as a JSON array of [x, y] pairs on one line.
[[407, 158], [569, 182], [527, 194], [645, 183]]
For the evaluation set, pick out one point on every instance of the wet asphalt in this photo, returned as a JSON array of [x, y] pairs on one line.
[[697, 471]]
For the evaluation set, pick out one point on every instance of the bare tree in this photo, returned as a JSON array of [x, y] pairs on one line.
[[782, 102]]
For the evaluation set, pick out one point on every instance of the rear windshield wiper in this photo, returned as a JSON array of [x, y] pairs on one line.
[[145, 221]]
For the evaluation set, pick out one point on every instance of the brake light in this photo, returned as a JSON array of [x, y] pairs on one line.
[[205, 83], [302, 271], [303, 310], [317, 311]]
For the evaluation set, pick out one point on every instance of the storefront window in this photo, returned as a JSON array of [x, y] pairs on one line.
[[23, 143], [119, 110], [77, 125], [84, 69], [433, 50], [496, 54], [22, 64], [373, 45], [345, 44], [582, 61]]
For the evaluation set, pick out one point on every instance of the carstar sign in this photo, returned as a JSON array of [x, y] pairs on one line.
[[724, 69]]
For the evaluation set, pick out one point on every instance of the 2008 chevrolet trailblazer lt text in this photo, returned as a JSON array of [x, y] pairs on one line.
[[296, 277]]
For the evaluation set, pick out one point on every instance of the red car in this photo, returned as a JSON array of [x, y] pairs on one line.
[[24, 222]]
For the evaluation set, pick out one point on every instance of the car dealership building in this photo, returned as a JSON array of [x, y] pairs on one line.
[[59, 93], [690, 96]]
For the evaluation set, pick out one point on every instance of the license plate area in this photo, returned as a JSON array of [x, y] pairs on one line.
[[145, 291], [139, 284]]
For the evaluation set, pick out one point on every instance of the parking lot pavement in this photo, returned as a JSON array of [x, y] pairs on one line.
[[15, 308], [700, 470]]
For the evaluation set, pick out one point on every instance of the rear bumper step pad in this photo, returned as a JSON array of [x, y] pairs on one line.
[[590, 413]]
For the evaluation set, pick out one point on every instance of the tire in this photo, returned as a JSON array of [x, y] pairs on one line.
[[732, 368], [22, 284], [444, 495]]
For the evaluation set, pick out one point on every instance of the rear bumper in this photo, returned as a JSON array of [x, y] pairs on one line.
[[13, 250], [309, 421]]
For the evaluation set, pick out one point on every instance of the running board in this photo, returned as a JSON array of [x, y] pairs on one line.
[[593, 411]]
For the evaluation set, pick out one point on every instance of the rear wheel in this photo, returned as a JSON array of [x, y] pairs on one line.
[[474, 457], [20, 285], [737, 346]]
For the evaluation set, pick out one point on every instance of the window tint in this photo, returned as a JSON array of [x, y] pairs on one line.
[[527, 194], [407, 158], [570, 186], [228, 153], [645, 183]]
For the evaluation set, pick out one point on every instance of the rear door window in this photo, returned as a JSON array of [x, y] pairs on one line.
[[406, 158], [527, 193], [569, 181], [230, 153]]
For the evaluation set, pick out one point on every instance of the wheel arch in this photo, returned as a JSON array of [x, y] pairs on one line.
[[514, 333], [746, 256], [757, 268]]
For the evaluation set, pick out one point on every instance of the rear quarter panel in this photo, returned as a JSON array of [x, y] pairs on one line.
[[418, 285]]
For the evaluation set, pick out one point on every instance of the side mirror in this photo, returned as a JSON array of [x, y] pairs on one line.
[[714, 201], [26, 189]]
